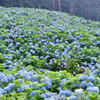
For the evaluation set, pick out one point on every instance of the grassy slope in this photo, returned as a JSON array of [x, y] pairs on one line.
[[41, 47]]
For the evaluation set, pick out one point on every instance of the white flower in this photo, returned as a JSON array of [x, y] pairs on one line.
[[78, 91]]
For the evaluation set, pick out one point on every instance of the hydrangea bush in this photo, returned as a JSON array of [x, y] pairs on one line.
[[48, 55]]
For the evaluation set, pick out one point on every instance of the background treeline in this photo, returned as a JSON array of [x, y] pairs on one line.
[[89, 9]]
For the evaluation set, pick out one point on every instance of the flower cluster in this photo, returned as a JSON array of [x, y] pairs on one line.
[[48, 55]]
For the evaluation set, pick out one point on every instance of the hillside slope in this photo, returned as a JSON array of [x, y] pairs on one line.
[[48, 55]]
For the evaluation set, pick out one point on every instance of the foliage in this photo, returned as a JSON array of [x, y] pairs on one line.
[[48, 55]]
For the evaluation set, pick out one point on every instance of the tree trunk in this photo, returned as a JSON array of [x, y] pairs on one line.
[[59, 2], [72, 7], [53, 2]]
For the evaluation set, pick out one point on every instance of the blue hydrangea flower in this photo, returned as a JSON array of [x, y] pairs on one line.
[[10, 77], [93, 89], [34, 78], [2, 75], [83, 84], [1, 94], [72, 98], [21, 80], [83, 77], [33, 93], [90, 84], [97, 42], [47, 95], [9, 87], [65, 92], [1, 91], [28, 77], [87, 98], [91, 78], [44, 95], [22, 88], [6, 89], [4, 79], [62, 82], [48, 82]]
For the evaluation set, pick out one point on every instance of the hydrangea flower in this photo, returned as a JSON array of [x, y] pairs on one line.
[[54, 42], [72, 98], [62, 82], [47, 81], [33, 93], [90, 84], [93, 89], [10, 77], [83, 77], [4, 79], [1, 91], [91, 78], [79, 91], [83, 84], [9, 87], [65, 92]]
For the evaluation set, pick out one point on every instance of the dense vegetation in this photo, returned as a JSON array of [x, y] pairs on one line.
[[48, 55], [89, 9]]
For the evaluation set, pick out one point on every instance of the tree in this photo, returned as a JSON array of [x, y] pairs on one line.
[[59, 3], [72, 7], [89, 9], [53, 2]]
